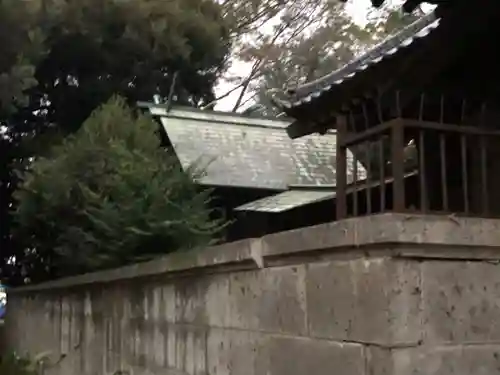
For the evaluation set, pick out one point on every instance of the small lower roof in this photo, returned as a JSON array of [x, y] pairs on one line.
[[299, 197], [287, 200]]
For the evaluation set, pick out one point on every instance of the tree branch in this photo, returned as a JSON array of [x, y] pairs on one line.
[[258, 63]]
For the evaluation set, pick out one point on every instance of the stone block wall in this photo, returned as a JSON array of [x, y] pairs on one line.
[[382, 295]]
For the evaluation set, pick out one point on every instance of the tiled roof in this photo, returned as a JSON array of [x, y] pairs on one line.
[[287, 200], [296, 197], [306, 93], [249, 152]]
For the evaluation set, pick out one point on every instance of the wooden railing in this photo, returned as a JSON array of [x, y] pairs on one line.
[[418, 166]]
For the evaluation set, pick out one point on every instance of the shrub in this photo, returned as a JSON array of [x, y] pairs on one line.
[[13, 364], [108, 196]]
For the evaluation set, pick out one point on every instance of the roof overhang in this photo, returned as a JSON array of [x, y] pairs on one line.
[[287, 201], [300, 196], [350, 83], [299, 128], [305, 95]]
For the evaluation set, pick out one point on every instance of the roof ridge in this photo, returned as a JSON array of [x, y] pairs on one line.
[[220, 122], [218, 116]]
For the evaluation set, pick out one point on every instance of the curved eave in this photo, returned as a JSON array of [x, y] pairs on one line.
[[303, 96]]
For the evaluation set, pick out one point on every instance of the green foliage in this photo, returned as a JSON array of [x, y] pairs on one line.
[[63, 59], [21, 43], [303, 40], [99, 48], [13, 364], [108, 196]]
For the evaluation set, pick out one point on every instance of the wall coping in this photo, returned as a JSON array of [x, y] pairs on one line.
[[407, 235]]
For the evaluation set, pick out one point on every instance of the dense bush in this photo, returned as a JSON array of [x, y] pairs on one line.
[[12, 364], [108, 196]]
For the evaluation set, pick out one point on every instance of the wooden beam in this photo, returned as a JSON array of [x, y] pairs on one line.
[[341, 168], [461, 129], [367, 134]]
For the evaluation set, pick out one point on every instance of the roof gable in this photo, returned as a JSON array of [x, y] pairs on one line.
[[243, 151]]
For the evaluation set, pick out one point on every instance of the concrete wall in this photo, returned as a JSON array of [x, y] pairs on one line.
[[383, 295]]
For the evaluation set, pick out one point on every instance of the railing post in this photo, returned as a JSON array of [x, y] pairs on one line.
[[397, 161], [341, 168]]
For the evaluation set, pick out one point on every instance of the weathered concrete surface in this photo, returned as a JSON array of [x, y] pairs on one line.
[[465, 300], [373, 300], [440, 360], [389, 294]]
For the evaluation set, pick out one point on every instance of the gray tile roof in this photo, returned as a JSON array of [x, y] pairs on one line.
[[295, 198], [306, 93], [287, 200], [249, 152]]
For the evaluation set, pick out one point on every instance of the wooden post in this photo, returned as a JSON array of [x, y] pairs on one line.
[[422, 176], [397, 156], [341, 168], [484, 176]]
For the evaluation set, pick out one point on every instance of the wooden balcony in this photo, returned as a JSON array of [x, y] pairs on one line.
[[418, 166]]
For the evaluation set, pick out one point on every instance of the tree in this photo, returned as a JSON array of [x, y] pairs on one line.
[[93, 49], [333, 41], [108, 196], [21, 45], [98, 48], [288, 43]]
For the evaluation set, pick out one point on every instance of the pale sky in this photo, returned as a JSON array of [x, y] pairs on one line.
[[358, 11]]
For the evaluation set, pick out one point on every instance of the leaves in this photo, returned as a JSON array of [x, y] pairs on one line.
[[287, 44], [21, 42], [109, 195], [63, 59], [13, 364]]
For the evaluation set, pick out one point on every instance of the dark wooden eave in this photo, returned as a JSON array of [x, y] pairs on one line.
[[402, 61], [336, 83]]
